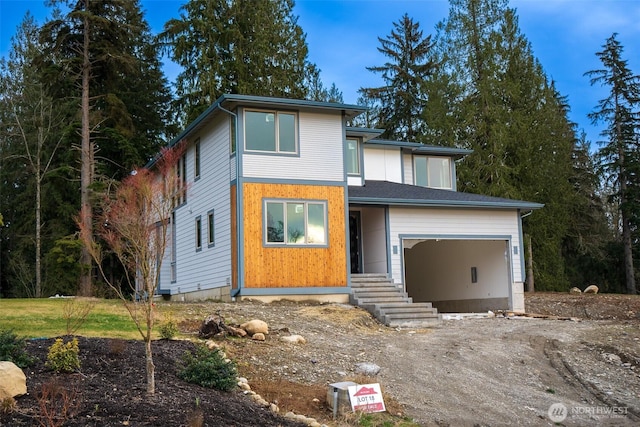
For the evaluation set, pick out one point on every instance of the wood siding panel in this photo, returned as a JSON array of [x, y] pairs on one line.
[[270, 267], [321, 149], [454, 222]]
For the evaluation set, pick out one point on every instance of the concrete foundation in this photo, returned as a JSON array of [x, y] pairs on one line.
[[471, 305]]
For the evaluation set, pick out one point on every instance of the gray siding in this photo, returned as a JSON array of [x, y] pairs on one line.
[[209, 267], [454, 222], [320, 153]]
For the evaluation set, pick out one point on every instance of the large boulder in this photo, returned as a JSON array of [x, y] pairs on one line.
[[591, 289], [255, 326], [13, 382]]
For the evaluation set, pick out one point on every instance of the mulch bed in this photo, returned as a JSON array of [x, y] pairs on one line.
[[110, 390]]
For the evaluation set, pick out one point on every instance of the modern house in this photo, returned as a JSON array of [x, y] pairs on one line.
[[287, 202]]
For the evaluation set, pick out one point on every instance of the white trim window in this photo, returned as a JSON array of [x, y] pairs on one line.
[[210, 229], [294, 222], [198, 233], [270, 131], [353, 156], [433, 172], [196, 160]]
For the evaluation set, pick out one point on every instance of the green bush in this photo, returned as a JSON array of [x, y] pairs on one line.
[[168, 329], [12, 349], [208, 368], [63, 357]]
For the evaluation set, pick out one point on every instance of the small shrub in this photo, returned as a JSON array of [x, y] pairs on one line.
[[12, 349], [56, 404], [208, 368], [117, 346], [63, 357], [8, 405], [75, 312], [168, 329]]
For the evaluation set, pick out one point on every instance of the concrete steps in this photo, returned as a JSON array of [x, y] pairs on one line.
[[388, 302]]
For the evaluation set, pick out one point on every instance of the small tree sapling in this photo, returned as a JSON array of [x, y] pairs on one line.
[[133, 225]]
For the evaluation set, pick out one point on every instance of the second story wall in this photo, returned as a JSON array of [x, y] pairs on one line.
[[319, 156], [382, 164]]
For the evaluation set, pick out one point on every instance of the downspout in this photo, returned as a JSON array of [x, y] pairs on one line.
[[235, 292]]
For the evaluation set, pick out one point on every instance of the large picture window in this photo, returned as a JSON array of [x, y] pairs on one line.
[[270, 131], [295, 222], [434, 172]]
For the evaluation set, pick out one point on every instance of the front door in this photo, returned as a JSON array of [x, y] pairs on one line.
[[354, 238]]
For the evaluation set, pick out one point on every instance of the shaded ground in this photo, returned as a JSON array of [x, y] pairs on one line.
[[111, 391], [490, 372]]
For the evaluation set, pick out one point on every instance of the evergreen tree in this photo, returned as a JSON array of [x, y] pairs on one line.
[[316, 91], [620, 152], [588, 234], [101, 53], [33, 125], [512, 118], [401, 99], [253, 47]]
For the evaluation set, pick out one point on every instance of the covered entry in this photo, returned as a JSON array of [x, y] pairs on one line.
[[458, 275]]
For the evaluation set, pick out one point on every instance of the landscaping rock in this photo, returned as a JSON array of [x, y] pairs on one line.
[[258, 337], [13, 382], [575, 290], [255, 326], [591, 289], [369, 369], [294, 339]]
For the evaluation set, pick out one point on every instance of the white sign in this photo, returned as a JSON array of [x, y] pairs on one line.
[[366, 398]]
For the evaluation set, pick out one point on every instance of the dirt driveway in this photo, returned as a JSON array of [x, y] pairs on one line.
[[491, 372]]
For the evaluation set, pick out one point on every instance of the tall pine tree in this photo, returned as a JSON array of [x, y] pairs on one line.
[[401, 100], [251, 47], [620, 151], [508, 113]]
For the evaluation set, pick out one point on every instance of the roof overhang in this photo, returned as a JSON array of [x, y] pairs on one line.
[[416, 147]]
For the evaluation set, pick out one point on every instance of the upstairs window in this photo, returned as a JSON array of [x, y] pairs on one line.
[[353, 156], [295, 222], [196, 160], [434, 172], [180, 192], [270, 131]]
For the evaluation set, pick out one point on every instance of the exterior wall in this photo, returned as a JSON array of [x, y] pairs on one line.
[[210, 267], [440, 272], [234, 235], [382, 164], [454, 223], [407, 169], [374, 240], [321, 151], [289, 267]]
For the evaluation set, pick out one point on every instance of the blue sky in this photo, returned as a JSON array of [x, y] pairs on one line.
[[342, 37]]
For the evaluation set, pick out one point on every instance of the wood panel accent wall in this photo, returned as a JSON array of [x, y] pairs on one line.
[[234, 238], [268, 267]]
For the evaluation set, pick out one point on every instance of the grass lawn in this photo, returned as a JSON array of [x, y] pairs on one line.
[[34, 318]]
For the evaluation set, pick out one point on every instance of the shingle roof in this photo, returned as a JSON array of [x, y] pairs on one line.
[[391, 193]]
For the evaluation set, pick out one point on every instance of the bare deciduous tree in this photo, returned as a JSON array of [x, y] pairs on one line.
[[133, 224]]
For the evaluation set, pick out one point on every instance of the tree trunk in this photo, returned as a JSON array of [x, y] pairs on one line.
[[529, 281], [38, 292], [86, 167], [151, 368]]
